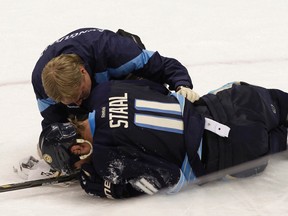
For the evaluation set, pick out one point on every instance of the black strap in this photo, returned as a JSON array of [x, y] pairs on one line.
[[217, 150], [134, 37]]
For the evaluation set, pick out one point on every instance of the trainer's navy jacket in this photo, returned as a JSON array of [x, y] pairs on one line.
[[107, 56], [148, 138]]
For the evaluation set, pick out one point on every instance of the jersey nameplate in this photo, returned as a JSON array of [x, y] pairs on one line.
[[118, 111]]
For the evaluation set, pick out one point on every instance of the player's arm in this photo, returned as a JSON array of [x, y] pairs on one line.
[[130, 175], [149, 174], [148, 183], [95, 185]]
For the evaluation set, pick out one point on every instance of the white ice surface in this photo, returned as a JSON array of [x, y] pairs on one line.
[[217, 40]]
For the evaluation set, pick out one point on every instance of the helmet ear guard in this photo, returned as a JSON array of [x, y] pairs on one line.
[[55, 142], [82, 157]]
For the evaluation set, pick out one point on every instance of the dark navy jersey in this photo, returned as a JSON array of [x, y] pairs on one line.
[[149, 138], [138, 135], [106, 56]]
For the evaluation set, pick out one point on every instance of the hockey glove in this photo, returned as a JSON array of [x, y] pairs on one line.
[[188, 93], [94, 185]]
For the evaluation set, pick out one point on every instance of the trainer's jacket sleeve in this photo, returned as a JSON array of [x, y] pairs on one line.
[[172, 72], [121, 56], [145, 173]]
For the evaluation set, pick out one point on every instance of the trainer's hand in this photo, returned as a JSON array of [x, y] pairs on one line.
[[188, 93]]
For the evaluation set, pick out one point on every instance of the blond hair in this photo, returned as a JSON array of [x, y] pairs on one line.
[[61, 77], [82, 126]]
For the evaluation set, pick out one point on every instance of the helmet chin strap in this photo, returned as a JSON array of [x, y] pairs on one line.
[[82, 157]]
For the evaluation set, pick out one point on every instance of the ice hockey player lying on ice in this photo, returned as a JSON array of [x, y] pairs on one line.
[[146, 138]]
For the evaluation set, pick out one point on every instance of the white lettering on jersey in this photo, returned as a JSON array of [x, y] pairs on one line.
[[118, 111], [107, 189], [103, 112], [73, 35]]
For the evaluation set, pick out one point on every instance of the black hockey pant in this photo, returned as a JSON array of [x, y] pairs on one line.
[[257, 118]]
